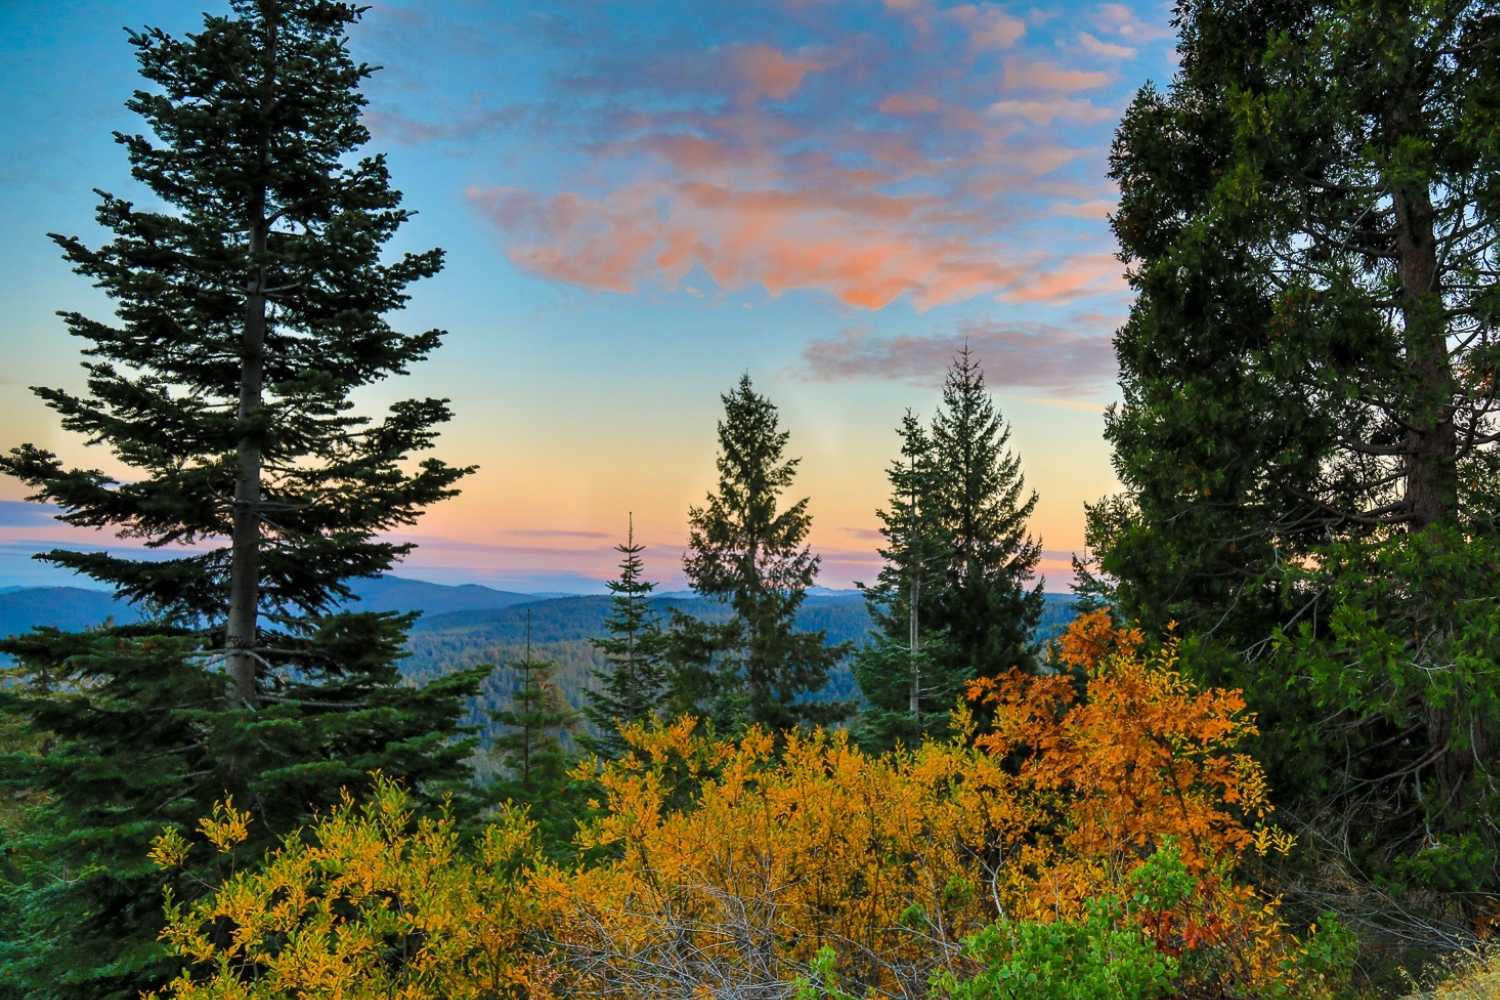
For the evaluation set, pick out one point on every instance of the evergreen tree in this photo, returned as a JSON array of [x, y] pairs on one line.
[[249, 307], [899, 673], [1306, 437], [743, 550], [532, 750], [632, 686], [703, 676], [984, 604]]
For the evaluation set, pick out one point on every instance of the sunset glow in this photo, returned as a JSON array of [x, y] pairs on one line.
[[640, 202]]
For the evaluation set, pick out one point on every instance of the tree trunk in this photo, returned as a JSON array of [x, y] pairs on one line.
[[244, 568], [916, 668], [1431, 441]]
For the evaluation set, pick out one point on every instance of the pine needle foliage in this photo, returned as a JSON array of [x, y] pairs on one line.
[[250, 292]]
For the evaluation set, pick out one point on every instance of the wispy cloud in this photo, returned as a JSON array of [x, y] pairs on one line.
[[1096, 46], [22, 513], [1031, 355], [393, 126], [870, 153], [556, 533], [1124, 22]]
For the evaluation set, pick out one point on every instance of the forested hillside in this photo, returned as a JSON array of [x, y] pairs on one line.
[[469, 625]]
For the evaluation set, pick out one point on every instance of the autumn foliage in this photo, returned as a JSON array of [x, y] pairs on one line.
[[762, 867]]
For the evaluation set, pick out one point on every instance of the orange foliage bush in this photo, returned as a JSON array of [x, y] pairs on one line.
[[722, 867], [888, 859]]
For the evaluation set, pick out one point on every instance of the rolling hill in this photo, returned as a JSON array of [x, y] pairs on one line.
[[466, 625]]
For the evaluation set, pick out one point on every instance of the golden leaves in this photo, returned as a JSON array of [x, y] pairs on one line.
[[716, 863], [227, 828]]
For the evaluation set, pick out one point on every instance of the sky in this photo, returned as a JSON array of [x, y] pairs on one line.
[[639, 202]]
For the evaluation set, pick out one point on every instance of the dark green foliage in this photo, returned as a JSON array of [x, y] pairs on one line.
[[126, 730], [747, 553], [255, 120], [985, 605], [632, 684], [703, 668], [1354, 654], [530, 749], [249, 305], [1309, 215], [909, 674]]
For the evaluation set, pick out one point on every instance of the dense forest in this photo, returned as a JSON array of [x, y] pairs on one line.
[[1254, 755]]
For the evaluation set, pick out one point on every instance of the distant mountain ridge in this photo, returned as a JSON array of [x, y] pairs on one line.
[[462, 625], [398, 593], [68, 608]]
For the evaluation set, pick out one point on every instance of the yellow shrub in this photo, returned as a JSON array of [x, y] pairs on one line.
[[725, 867], [369, 904]]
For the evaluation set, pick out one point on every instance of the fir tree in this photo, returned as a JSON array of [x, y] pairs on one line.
[[702, 671], [250, 304], [984, 603], [743, 550], [907, 673], [632, 685], [532, 751]]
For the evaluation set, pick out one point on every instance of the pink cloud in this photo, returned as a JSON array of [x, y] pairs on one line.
[[1104, 50], [1044, 111], [699, 160], [1118, 19], [988, 27], [849, 244], [767, 72], [1042, 75], [1096, 209]]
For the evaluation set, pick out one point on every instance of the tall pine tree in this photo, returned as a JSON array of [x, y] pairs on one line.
[[907, 674], [631, 686], [1307, 432], [985, 604], [744, 550], [250, 300]]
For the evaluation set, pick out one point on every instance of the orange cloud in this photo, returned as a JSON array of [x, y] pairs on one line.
[[710, 167], [846, 244], [1085, 274]]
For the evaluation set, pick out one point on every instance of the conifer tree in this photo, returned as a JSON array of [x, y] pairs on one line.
[[907, 674], [984, 605], [532, 750], [702, 669], [250, 301], [745, 551], [1307, 431], [631, 687]]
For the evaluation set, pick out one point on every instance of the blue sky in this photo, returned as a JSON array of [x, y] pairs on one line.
[[641, 201]]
